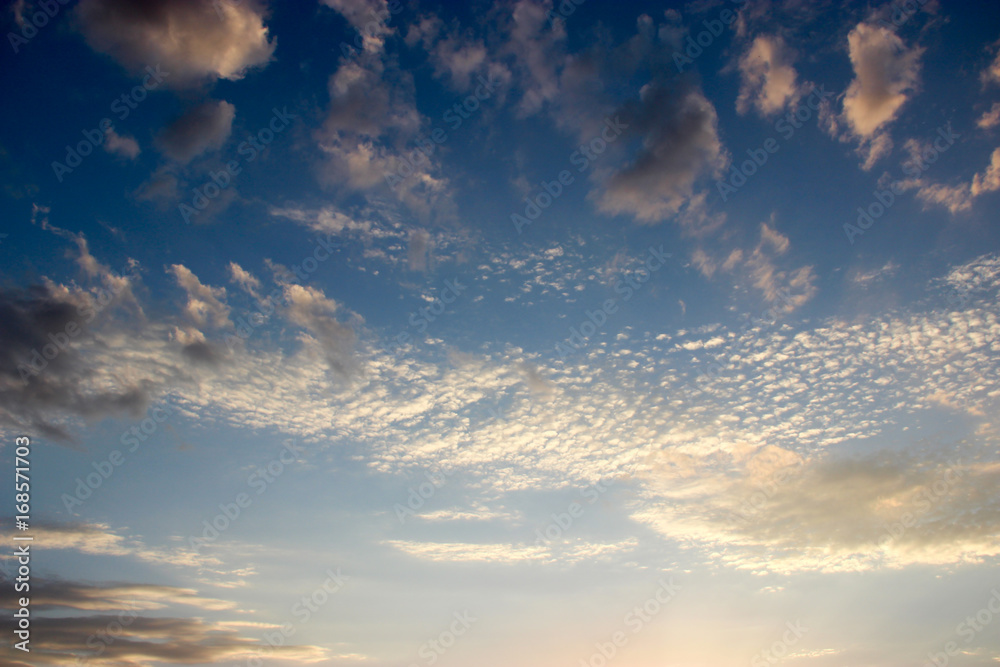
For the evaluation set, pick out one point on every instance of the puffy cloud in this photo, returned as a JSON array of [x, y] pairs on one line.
[[98, 539], [992, 73], [768, 77], [41, 371], [885, 72], [246, 280], [203, 128], [369, 18], [204, 305], [309, 308], [988, 181], [989, 119], [369, 133], [680, 142], [192, 40], [538, 49], [117, 144]]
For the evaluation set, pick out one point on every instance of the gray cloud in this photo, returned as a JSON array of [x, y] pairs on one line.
[[205, 127]]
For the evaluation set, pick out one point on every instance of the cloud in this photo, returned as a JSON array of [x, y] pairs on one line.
[[866, 279], [680, 142], [203, 128], [960, 197], [368, 137], [41, 370], [989, 119], [246, 280], [538, 48], [849, 512], [192, 40], [790, 287], [204, 305], [117, 144], [309, 308], [125, 639], [886, 73], [418, 254], [368, 17], [453, 552], [988, 181], [328, 220], [768, 78], [51, 594], [98, 539], [991, 75]]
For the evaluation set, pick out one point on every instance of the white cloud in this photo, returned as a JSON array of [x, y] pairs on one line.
[[768, 77], [989, 119], [193, 41], [204, 305], [885, 72]]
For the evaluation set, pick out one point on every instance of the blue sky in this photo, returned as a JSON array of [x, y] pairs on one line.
[[359, 332]]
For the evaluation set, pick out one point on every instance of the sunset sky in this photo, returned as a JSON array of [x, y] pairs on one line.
[[406, 333]]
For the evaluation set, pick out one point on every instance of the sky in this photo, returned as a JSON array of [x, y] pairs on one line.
[[395, 333]]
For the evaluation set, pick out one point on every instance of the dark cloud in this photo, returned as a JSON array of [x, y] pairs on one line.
[[205, 127], [40, 370], [679, 143]]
